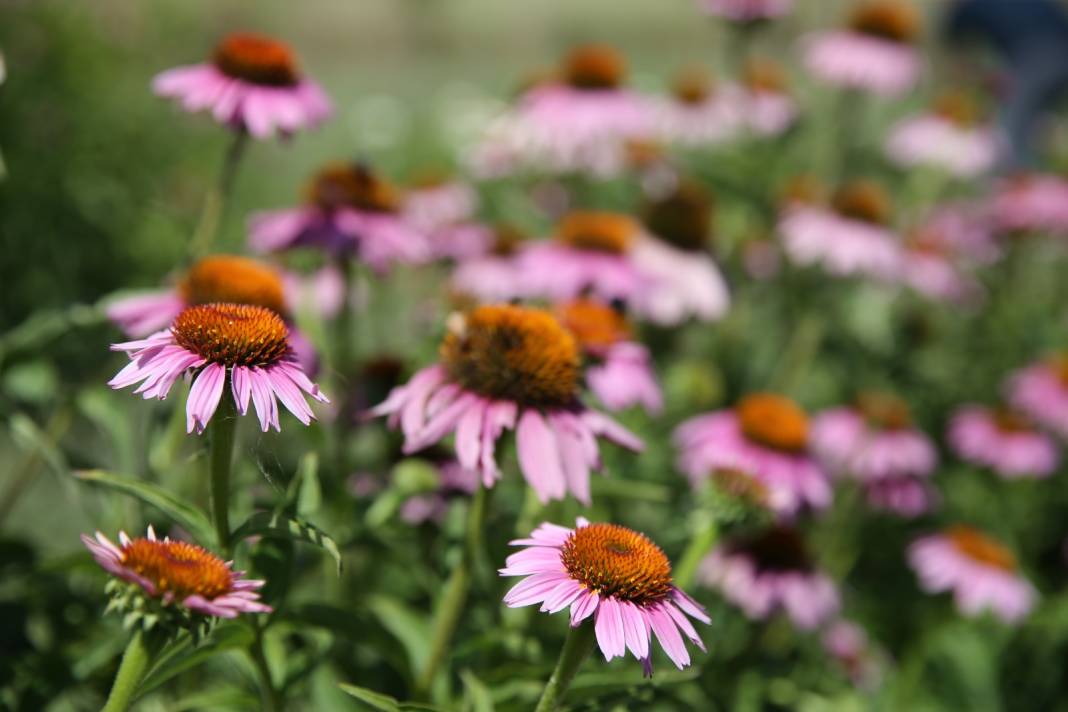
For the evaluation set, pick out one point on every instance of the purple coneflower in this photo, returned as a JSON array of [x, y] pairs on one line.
[[766, 436], [178, 574], [850, 238], [490, 277], [611, 257], [695, 113], [1031, 203], [1040, 391], [505, 367], [454, 480], [950, 137], [1004, 441], [874, 54], [252, 84], [772, 571], [980, 571], [618, 576], [350, 210], [621, 372], [763, 98], [876, 442], [243, 345]]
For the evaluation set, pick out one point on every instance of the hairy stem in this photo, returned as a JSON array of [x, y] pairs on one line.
[[135, 661], [577, 648], [268, 692], [221, 458]]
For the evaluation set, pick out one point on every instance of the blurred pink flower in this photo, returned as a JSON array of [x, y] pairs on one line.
[[506, 367], [765, 436], [1031, 203], [981, 573], [1004, 441], [615, 574], [1040, 392], [454, 480], [772, 571], [252, 84], [350, 211], [247, 346], [746, 10], [934, 140], [179, 574], [849, 645]]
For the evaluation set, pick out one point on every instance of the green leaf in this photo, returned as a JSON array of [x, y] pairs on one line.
[[182, 655], [36, 442], [186, 515], [477, 697], [279, 526], [372, 699], [407, 626]]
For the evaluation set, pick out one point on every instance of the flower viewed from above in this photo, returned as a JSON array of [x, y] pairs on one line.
[[611, 257], [577, 122], [771, 571], [874, 54], [253, 83], [1040, 392], [950, 137], [851, 238], [350, 210], [180, 576], [1004, 441], [241, 345], [876, 442], [621, 372], [980, 571], [1031, 203], [766, 436], [746, 11], [508, 367], [615, 574]]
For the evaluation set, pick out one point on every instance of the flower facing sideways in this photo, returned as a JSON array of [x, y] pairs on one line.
[[174, 579], [615, 574], [245, 346]]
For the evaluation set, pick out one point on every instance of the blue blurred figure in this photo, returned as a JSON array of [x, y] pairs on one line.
[[1032, 38]]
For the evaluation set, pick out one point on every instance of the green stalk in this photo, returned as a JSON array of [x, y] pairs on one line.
[[135, 661], [268, 692], [454, 598], [577, 647], [701, 542], [221, 457], [344, 368], [215, 202]]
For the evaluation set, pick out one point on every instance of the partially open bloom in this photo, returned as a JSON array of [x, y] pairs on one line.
[[252, 83], [852, 238], [214, 279], [505, 367], [349, 210], [1004, 441], [611, 257], [615, 574], [174, 579], [950, 137], [746, 11], [621, 372], [765, 435], [1031, 203], [1040, 391], [577, 122], [772, 571], [876, 442], [980, 571], [874, 54], [243, 345]]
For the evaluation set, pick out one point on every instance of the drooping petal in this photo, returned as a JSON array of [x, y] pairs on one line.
[[539, 458]]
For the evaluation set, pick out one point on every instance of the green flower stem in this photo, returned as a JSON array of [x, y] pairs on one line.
[[268, 692], [454, 598], [343, 358], [803, 347], [705, 533], [135, 662], [221, 457], [211, 215], [577, 648]]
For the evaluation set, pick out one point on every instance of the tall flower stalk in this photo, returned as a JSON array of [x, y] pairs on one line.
[[214, 210], [221, 430], [140, 651], [577, 647]]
